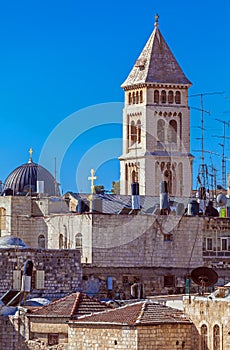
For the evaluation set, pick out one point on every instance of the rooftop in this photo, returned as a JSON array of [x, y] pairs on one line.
[[71, 306], [144, 312]]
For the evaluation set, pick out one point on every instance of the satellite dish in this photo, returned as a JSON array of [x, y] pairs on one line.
[[204, 276], [221, 199]]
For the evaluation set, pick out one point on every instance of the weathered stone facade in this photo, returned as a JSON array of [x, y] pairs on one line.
[[155, 250], [12, 337], [153, 337], [56, 273], [211, 316], [156, 123]]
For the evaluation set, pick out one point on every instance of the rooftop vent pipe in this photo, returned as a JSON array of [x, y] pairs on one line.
[[135, 196]]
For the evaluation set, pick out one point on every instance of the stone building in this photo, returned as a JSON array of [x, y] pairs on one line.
[[143, 325], [210, 314], [120, 246], [49, 277], [48, 325], [156, 123]]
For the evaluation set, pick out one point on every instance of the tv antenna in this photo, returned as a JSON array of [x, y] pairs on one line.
[[203, 169], [223, 161]]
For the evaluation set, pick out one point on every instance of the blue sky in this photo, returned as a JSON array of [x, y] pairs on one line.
[[59, 57]]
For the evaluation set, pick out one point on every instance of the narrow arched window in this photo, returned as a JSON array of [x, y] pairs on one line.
[[137, 97], [161, 130], [163, 96], [134, 97], [78, 242], [61, 241], [126, 172], [204, 337], [130, 98], [178, 97], [41, 241], [2, 218], [216, 337], [180, 176], [141, 96], [156, 96], [168, 179], [133, 133], [170, 96], [138, 131], [134, 176], [172, 131]]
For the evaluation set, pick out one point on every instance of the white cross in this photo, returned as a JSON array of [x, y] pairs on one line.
[[92, 178]]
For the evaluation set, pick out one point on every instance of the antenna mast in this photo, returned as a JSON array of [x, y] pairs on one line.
[[223, 161], [203, 169]]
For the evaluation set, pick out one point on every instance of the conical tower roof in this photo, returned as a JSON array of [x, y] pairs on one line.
[[156, 64]]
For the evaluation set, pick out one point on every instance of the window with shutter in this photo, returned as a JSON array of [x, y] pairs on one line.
[[40, 279], [17, 279]]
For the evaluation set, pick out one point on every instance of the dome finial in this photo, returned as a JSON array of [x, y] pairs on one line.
[[31, 153], [157, 20]]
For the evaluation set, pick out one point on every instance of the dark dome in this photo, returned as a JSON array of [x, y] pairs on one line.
[[24, 180]]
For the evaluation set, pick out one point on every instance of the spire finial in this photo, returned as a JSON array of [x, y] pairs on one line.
[[156, 20], [31, 153], [92, 178]]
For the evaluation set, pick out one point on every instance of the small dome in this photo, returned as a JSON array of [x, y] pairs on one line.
[[28, 177], [11, 242]]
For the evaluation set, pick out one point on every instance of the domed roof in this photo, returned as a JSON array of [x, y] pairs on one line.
[[11, 242], [28, 178]]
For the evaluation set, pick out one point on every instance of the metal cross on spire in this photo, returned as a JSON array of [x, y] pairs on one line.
[[156, 24], [31, 153], [92, 178]]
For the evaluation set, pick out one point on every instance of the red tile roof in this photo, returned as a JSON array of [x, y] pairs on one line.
[[71, 306], [145, 312]]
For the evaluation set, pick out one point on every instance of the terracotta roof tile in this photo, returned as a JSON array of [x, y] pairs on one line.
[[71, 306], [139, 313]]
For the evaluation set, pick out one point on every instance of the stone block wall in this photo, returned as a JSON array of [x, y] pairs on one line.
[[151, 337], [100, 337], [62, 270], [210, 312], [10, 339], [168, 337], [147, 241]]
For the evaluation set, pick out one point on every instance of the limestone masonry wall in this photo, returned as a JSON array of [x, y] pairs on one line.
[[102, 337], [147, 241], [62, 270]]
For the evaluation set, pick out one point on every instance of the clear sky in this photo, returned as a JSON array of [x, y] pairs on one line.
[[58, 57]]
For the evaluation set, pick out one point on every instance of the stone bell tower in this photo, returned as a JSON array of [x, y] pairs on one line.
[[156, 123]]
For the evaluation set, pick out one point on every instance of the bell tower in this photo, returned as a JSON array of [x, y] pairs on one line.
[[156, 123]]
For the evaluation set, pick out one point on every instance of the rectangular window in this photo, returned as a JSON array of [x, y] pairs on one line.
[[53, 338], [169, 281], [168, 237], [209, 244], [224, 244]]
